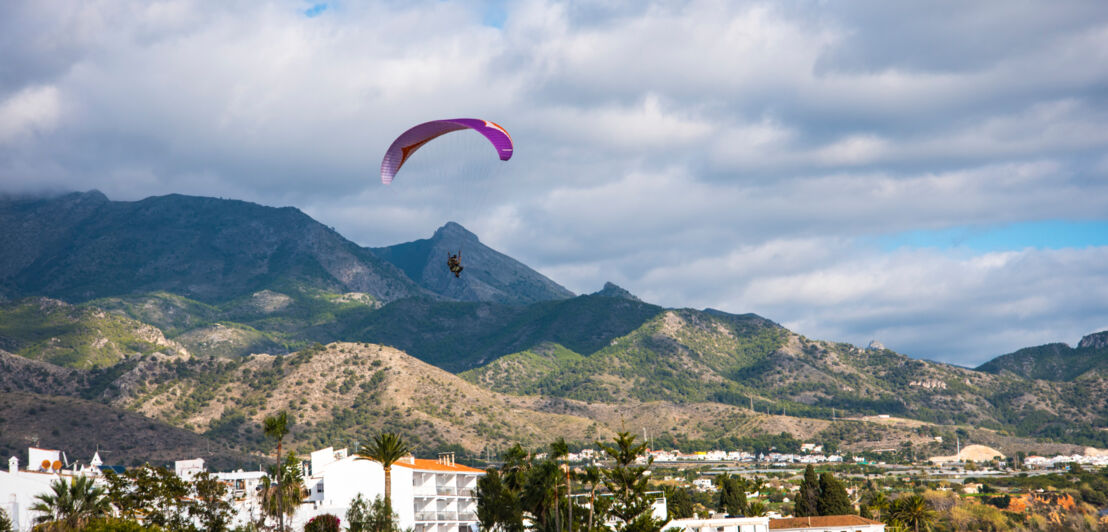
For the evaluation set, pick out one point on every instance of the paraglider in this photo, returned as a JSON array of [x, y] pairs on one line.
[[411, 140], [414, 138], [454, 263]]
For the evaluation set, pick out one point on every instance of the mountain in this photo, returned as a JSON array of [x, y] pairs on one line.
[[488, 276], [207, 314], [686, 356], [74, 336], [459, 336], [613, 290], [1055, 362], [82, 246], [80, 428]]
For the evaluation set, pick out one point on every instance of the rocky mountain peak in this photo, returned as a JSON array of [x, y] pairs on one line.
[[613, 290], [454, 231], [1094, 341], [876, 346]]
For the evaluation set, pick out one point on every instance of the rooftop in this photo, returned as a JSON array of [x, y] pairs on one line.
[[821, 521]]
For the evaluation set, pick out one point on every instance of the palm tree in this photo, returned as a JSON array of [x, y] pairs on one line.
[[592, 478], [756, 509], [559, 449], [386, 448], [71, 504], [285, 494], [277, 427], [878, 505], [912, 512]]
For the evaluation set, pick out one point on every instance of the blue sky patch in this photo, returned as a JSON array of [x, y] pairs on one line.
[[494, 14], [1046, 234], [315, 11]]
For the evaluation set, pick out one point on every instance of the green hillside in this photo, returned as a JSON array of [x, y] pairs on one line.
[[75, 336], [1054, 362]]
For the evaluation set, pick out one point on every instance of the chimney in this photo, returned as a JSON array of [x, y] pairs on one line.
[[13, 465], [446, 459]]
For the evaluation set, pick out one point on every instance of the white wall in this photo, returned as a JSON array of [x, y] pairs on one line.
[[17, 494]]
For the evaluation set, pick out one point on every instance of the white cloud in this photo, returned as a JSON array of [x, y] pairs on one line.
[[29, 111]]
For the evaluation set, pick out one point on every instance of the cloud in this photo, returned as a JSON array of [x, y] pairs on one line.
[[29, 111], [744, 155]]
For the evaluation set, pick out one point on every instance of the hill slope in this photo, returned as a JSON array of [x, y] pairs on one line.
[[82, 246], [1054, 362], [488, 276]]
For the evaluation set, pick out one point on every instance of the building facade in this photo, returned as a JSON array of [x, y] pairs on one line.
[[427, 495]]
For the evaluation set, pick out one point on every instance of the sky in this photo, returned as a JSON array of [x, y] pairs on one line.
[[930, 175]]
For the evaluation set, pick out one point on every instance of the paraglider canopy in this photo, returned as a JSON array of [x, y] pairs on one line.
[[411, 140]]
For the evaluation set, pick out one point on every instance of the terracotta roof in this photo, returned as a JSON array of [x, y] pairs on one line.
[[821, 521], [426, 464]]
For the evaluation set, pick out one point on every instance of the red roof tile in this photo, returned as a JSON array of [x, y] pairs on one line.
[[820, 521]]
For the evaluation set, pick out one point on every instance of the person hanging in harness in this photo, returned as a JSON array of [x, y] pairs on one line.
[[454, 262]]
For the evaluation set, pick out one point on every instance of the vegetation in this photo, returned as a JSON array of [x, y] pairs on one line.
[[732, 495], [376, 517], [282, 495], [322, 523], [277, 427], [524, 487], [70, 504], [386, 449]]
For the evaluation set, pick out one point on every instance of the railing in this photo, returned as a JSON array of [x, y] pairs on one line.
[[447, 491], [445, 516]]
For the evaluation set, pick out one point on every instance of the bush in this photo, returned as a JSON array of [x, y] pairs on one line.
[[323, 523]]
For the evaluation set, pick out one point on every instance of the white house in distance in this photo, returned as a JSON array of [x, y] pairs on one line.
[[427, 495]]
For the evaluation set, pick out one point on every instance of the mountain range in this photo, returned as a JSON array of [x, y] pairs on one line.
[[205, 315]]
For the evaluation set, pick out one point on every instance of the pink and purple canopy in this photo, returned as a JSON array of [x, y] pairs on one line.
[[411, 140]]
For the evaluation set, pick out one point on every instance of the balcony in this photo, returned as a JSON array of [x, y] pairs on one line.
[[448, 517], [445, 491]]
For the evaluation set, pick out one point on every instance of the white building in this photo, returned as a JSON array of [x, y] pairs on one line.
[[19, 488], [188, 469], [427, 495], [722, 524], [826, 523]]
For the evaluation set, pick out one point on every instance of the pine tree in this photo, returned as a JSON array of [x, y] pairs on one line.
[[833, 499], [732, 495], [807, 498]]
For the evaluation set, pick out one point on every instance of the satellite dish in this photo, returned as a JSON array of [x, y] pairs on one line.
[[46, 465], [57, 465]]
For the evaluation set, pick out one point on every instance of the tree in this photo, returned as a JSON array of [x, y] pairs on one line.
[[70, 504], [277, 427], [5, 521], [386, 448], [756, 509], [912, 512], [732, 495], [628, 483], [540, 494], [211, 507], [679, 503], [376, 517], [281, 496], [498, 507], [833, 499], [151, 495], [322, 523], [807, 498], [878, 505], [593, 479], [559, 449]]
